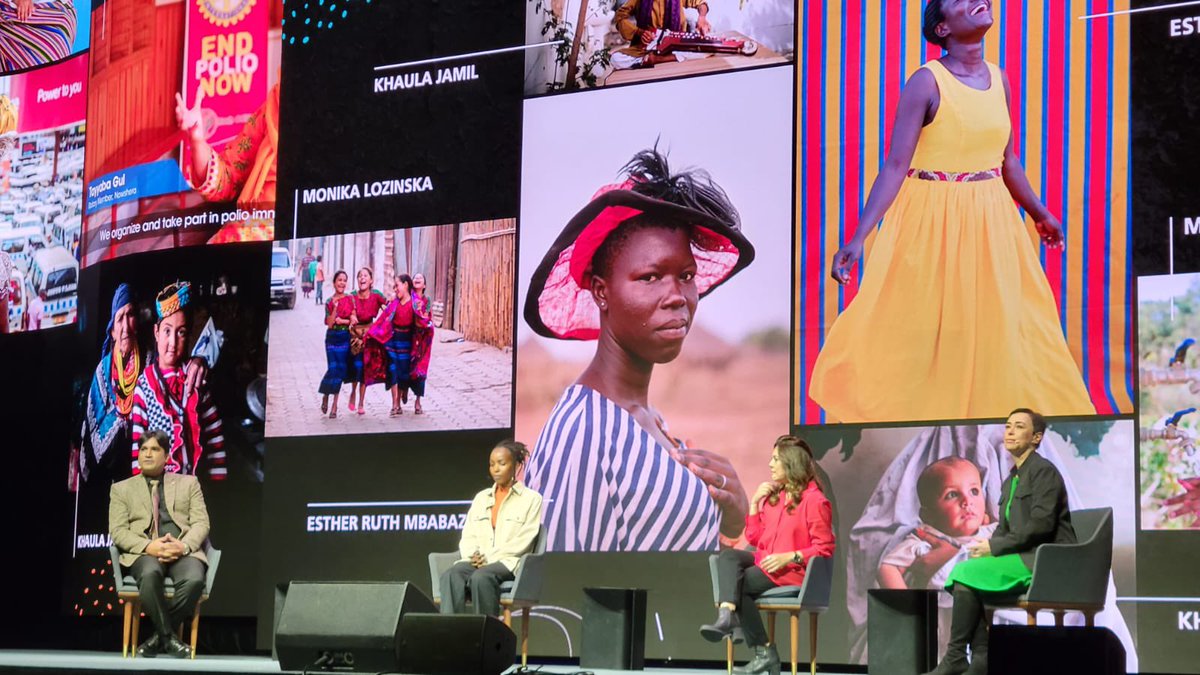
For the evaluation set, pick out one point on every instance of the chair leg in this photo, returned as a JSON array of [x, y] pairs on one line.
[[770, 627], [1031, 617], [812, 643], [1089, 619], [794, 629], [1058, 616], [125, 627], [137, 622], [195, 629], [729, 655], [524, 637], [507, 617]]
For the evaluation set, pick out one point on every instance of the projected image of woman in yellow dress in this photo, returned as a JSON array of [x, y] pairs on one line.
[[954, 318]]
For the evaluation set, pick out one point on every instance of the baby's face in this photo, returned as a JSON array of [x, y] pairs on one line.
[[960, 508]]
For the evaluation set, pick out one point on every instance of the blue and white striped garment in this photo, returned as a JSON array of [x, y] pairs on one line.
[[608, 485]]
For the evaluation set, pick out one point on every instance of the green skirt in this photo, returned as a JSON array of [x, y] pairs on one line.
[[999, 574]]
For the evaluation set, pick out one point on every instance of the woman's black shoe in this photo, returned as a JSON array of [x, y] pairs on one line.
[[722, 627], [951, 665], [765, 662]]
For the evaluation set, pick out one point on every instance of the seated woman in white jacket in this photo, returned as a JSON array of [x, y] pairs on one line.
[[502, 525]]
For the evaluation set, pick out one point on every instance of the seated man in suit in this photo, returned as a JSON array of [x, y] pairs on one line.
[[159, 523]]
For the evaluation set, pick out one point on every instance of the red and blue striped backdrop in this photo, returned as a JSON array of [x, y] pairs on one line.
[[1070, 88]]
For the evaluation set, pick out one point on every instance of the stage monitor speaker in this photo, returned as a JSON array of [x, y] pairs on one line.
[[902, 631], [1049, 650], [614, 628], [345, 625], [455, 644]]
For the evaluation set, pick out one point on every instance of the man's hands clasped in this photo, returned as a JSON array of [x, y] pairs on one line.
[[166, 548]]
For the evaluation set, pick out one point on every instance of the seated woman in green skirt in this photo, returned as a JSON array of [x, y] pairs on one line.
[[1033, 511]]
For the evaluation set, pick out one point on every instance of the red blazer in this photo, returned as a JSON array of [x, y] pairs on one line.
[[808, 529]]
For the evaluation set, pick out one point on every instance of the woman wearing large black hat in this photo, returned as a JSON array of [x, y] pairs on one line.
[[628, 271]]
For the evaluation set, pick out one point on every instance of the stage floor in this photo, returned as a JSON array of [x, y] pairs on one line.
[[96, 663]]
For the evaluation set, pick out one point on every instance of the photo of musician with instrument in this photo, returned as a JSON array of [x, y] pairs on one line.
[[627, 41]]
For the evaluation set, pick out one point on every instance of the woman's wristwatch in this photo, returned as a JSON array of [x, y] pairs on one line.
[[797, 558]]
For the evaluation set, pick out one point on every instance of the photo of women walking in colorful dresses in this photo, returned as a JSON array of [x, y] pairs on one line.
[[416, 334], [405, 332], [920, 303]]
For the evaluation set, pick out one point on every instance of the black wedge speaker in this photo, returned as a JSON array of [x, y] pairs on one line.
[[345, 625]]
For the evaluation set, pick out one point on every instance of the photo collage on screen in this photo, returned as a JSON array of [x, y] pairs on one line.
[[43, 104], [1166, 257], [392, 284], [923, 315], [183, 103]]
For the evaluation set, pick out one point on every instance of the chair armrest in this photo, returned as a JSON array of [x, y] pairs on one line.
[[438, 564], [1070, 573], [818, 583], [712, 573], [527, 584], [214, 561], [1075, 573], [118, 574]]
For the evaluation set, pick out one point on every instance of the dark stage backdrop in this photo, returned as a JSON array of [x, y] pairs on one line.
[[456, 141], [1166, 218]]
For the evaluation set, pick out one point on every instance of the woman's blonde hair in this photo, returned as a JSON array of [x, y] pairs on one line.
[[8, 115]]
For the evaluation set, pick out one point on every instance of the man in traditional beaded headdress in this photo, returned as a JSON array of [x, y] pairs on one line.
[[162, 400], [110, 396]]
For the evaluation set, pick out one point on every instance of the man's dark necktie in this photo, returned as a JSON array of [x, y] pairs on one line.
[[154, 507]]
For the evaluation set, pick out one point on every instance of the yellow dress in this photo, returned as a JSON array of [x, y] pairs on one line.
[[954, 318]]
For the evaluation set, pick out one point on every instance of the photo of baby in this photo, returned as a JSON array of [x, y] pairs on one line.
[[953, 514]]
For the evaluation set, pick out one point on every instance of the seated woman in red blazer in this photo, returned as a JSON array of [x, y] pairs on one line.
[[789, 522]]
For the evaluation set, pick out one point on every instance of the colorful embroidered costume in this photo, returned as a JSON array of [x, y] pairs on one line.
[[245, 169], [337, 345], [422, 343], [191, 421], [45, 37], [193, 425], [306, 273], [405, 332], [110, 396], [368, 366]]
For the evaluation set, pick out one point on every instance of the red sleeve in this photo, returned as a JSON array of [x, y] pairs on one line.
[[819, 515], [754, 528], [227, 170]]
